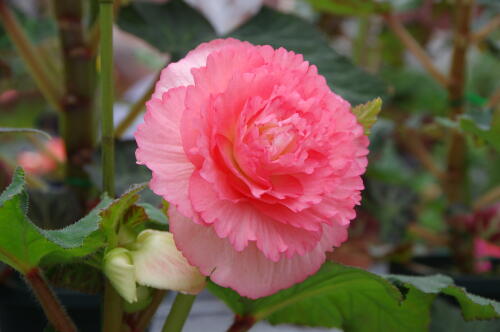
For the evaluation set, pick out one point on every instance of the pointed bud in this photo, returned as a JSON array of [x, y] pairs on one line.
[[119, 269], [160, 264], [144, 298]]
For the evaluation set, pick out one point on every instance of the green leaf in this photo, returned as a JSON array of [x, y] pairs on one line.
[[154, 214], [447, 317], [118, 209], [295, 34], [349, 7], [23, 245], [356, 300], [367, 113], [172, 27], [473, 306], [337, 296]]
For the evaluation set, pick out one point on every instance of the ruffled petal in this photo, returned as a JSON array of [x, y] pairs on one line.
[[179, 73], [249, 272], [160, 148]]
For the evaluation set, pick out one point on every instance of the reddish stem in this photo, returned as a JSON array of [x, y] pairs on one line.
[[53, 309], [242, 323]]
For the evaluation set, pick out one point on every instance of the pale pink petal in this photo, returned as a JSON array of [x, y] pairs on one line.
[[179, 73], [160, 148], [249, 272]]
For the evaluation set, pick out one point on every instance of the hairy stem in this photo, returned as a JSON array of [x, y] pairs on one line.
[[178, 313], [53, 309]]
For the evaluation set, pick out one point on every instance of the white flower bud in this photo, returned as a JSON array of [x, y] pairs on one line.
[[119, 269], [160, 264]]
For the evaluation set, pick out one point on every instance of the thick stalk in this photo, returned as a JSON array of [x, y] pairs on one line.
[[36, 68], [53, 309], [456, 165], [113, 308], [78, 118], [178, 313]]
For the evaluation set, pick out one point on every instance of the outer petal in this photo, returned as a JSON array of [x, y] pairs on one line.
[[179, 73], [248, 272], [160, 148]]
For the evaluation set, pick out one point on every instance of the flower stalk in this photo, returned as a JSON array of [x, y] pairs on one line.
[[113, 307], [178, 313]]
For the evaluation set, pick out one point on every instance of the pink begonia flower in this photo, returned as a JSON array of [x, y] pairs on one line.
[[43, 162], [260, 161]]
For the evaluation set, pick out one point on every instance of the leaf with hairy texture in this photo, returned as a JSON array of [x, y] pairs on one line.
[[336, 296], [367, 113], [23, 245]]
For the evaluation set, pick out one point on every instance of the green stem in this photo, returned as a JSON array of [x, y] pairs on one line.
[[28, 53], [178, 313], [53, 309], [113, 308]]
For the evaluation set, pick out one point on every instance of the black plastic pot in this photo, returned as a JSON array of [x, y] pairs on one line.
[[20, 312], [486, 286]]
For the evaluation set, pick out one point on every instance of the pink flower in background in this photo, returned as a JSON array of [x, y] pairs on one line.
[[484, 249], [45, 161], [260, 161]]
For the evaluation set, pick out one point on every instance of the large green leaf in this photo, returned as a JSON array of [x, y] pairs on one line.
[[356, 300], [295, 34], [336, 296], [23, 245], [172, 27]]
